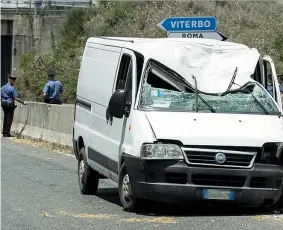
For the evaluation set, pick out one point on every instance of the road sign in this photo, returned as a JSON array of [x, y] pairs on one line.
[[207, 35], [188, 24]]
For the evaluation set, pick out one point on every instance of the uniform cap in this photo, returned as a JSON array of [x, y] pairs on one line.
[[50, 72], [12, 77]]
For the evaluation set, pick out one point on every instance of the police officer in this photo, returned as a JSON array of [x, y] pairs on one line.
[[269, 88], [52, 89], [8, 97]]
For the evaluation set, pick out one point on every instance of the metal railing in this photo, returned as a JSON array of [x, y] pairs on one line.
[[44, 4]]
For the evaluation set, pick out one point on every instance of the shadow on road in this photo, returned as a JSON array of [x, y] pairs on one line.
[[199, 209], [109, 194], [153, 208]]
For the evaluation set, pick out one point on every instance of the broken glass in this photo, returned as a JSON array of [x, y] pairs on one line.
[[239, 102]]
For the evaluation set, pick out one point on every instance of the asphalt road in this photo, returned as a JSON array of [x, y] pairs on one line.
[[40, 191]]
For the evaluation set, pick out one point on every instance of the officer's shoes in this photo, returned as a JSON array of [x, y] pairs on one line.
[[7, 135]]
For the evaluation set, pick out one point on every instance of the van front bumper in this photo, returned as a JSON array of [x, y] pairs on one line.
[[174, 181]]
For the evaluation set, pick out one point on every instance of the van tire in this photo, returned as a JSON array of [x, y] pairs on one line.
[[87, 177], [129, 202]]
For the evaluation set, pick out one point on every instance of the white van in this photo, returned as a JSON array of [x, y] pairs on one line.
[[177, 120]]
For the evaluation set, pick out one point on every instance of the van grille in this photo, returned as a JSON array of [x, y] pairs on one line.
[[258, 182], [235, 159], [218, 180], [176, 178]]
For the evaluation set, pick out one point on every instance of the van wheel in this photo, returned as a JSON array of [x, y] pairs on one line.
[[129, 202], [88, 178]]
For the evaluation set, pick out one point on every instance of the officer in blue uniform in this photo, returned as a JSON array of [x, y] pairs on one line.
[[8, 97], [52, 89], [269, 88]]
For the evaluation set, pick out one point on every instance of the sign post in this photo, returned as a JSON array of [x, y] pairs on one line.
[[192, 27]]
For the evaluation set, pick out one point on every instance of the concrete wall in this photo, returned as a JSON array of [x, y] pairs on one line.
[[32, 32], [52, 123]]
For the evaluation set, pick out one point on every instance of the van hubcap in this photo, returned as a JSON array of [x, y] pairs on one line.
[[126, 189], [81, 171]]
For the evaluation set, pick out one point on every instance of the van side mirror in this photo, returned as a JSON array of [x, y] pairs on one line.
[[116, 104]]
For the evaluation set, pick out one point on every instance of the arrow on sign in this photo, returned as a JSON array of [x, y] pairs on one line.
[[181, 24], [206, 35]]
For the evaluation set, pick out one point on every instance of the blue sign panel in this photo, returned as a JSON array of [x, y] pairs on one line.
[[178, 24]]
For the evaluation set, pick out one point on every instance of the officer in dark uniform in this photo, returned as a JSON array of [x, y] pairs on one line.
[[8, 97], [52, 89]]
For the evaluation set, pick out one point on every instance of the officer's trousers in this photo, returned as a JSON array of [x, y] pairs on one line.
[[8, 119], [53, 101]]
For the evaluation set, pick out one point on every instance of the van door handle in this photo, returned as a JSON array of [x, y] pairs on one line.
[[109, 117]]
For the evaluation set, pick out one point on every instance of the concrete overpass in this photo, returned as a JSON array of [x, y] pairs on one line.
[[29, 29]]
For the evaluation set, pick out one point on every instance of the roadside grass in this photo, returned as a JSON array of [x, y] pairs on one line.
[[43, 144]]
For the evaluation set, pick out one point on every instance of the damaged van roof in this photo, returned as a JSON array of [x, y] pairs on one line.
[[212, 62]]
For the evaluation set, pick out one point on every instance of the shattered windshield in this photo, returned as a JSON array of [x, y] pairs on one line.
[[157, 93]]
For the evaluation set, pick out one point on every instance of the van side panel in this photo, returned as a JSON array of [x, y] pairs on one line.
[[83, 106], [97, 75]]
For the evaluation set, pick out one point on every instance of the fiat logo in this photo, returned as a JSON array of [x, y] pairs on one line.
[[220, 158]]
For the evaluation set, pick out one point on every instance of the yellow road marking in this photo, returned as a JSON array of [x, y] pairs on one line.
[[266, 217], [45, 214], [155, 220], [85, 215], [133, 220], [92, 216], [160, 220], [261, 217]]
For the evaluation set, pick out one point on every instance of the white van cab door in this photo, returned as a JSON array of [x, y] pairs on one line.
[[125, 79], [268, 69]]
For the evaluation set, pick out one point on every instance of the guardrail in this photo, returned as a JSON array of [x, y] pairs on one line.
[[51, 123]]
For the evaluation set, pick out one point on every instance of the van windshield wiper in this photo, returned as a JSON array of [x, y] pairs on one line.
[[200, 97], [231, 83], [245, 90]]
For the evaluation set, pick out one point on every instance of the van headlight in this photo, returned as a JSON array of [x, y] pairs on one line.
[[161, 151]]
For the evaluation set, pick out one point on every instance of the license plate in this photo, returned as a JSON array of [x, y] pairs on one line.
[[218, 194]]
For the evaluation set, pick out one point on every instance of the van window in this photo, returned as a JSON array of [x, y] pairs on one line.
[[269, 78], [129, 87], [257, 76], [158, 82], [124, 80], [140, 62], [159, 77], [123, 72]]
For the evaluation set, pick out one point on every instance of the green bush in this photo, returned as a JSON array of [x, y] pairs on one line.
[[26, 61], [278, 46]]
